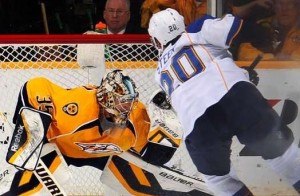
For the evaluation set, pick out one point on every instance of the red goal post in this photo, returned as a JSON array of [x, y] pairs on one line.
[[75, 38]]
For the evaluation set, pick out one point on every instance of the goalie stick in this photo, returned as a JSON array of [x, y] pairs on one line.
[[42, 173]]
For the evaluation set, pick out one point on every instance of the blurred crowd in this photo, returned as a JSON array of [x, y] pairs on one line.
[[79, 16], [271, 28]]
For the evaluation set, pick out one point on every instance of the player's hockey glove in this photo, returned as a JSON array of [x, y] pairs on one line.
[[157, 154], [253, 76]]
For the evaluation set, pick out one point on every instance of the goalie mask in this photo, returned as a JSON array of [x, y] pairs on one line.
[[165, 26], [117, 94]]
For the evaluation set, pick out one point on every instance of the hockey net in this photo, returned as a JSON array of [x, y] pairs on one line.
[[76, 60]]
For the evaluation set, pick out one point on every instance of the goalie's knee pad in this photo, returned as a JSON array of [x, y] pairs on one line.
[[28, 137]]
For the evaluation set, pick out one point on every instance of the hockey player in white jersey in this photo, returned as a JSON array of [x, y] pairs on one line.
[[215, 100]]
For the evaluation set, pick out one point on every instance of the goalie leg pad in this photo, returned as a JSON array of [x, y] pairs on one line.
[[27, 139]]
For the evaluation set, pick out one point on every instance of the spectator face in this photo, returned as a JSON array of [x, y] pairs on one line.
[[116, 15], [287, 12]]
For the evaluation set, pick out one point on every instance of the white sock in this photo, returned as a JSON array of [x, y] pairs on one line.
[[288, 164], [223, 185]]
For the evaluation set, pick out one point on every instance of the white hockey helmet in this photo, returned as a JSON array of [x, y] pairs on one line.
[[164, 26], [117, 94]]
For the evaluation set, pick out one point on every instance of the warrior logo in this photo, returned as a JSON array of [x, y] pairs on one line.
[[95, 148], [71, 109]]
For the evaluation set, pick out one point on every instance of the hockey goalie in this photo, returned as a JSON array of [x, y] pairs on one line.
[[104, 126]]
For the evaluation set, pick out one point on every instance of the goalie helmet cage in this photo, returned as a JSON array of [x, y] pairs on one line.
[[72, 60]]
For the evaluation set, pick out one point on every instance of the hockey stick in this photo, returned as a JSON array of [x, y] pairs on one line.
[[42, 173], [253, 76], [255, 62]]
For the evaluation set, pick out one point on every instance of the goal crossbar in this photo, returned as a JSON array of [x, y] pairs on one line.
[[74, 38]]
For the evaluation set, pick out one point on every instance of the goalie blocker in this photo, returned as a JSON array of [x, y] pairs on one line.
[[27, 139]]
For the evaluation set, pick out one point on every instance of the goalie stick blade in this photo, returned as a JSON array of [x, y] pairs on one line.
[[130, 175]]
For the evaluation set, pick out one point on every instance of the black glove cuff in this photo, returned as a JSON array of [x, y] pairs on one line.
[[157, 154]]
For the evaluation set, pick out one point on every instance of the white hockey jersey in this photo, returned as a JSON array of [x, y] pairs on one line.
[[198, 70]]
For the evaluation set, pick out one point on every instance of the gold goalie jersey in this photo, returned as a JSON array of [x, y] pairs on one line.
[[75, 126]]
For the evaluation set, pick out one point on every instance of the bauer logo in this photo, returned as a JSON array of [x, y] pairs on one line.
[[176, 178], [3, 174], [71, 109], [95, 148]]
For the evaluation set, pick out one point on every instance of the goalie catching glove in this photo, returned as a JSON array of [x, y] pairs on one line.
[[165, 131]]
